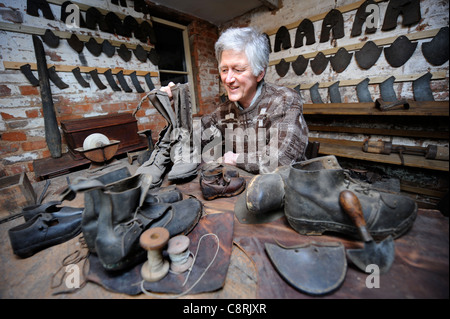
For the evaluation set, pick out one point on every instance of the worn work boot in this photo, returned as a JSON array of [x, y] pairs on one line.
[[216, 182], [312, 202], [184, 154], [159, 161], [183, 157]]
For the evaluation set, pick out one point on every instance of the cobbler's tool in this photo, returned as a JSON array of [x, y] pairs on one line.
[[381, 254]]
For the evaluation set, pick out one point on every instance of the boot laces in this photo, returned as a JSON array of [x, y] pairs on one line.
[[361, 187]]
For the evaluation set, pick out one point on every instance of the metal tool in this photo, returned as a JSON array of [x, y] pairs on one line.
[[282, 39], [149, 82], [381, 254], [333, 22], [430, 152], [305, 30], [368, 55]]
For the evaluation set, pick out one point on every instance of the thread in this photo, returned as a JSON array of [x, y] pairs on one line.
[[187, 277], [179, 254], [154, 240]]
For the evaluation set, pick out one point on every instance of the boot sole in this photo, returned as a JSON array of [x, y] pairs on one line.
[[237, 192], [317, 228]]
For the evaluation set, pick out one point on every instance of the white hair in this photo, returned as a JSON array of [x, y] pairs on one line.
[[253, 43]]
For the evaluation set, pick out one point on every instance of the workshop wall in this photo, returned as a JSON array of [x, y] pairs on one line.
[[434, 16], [344, 134], [22, 128]]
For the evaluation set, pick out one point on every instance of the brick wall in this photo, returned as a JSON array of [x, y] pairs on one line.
[[202, 37], [22, 132]]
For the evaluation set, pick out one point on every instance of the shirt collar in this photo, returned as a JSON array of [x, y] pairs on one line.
[[257, 94]]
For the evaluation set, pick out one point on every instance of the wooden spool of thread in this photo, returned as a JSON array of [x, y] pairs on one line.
[[154, 240], [179, 254]]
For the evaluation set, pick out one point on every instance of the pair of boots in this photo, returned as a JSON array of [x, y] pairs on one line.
[[175, 144], [116, 214], [308, 194]]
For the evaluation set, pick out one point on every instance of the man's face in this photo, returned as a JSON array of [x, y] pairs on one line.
[[237, 77]]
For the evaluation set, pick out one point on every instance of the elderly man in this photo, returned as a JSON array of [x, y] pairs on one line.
[[261, 124], [259, 127]]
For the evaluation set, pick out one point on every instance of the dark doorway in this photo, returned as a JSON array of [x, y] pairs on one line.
[[170, 48]]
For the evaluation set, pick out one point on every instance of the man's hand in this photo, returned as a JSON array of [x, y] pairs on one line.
[[167, 89], [230, 158]]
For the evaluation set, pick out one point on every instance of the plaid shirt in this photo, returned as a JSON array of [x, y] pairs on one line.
[[270, 133]]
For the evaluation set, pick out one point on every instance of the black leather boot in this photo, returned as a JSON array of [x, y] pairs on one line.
[[312, 202]]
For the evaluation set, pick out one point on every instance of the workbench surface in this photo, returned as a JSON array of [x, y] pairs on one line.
[[420, 268]]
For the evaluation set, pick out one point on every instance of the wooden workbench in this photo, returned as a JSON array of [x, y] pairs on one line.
[[420, 269]]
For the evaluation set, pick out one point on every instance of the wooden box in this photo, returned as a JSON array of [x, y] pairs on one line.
[[121, 127], [16, 193]]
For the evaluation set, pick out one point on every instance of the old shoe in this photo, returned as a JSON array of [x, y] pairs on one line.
[[42, 231], [312, 202], [216, 182], [52, 207]]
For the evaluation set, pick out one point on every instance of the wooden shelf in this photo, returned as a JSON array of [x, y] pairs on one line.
[[428, 108], [353, 149], [413, 133]]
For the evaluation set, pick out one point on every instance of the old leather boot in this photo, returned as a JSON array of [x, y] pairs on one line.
[[184, 154], [215, 182], [159, 160], [312, 202], [117, 236]]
